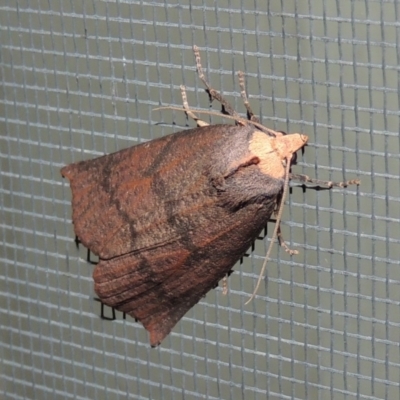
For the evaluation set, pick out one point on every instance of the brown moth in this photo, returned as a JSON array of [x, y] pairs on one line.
[[170, 218]]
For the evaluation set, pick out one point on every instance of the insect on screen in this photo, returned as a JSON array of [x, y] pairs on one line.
[[81, 79]]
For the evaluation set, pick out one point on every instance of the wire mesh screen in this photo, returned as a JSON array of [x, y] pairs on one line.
[[80, 79]]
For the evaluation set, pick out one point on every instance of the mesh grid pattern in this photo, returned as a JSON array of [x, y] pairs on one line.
[[80, 79]]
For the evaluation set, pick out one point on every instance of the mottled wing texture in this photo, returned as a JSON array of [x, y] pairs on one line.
[[169, 218]]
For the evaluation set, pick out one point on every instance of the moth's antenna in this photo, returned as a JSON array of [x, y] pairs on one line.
[[275, 234], [243, 121]]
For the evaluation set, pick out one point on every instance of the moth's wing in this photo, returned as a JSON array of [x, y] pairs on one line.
[[124, 202], [169, 219], [158, 286], [213, 228], [114, 210]]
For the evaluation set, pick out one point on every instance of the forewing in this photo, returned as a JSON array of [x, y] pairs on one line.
[[125, 202], [169, 219]]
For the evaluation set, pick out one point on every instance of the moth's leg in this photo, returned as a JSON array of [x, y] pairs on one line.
[[225, 285], [188, 112], [214, 94], [283, 243], [279, 234], [250, 114], [328, 184]]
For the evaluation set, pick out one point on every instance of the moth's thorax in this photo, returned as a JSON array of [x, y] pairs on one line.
[[273, 151]]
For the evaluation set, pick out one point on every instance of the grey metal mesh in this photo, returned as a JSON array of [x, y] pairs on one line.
[[80, 79]]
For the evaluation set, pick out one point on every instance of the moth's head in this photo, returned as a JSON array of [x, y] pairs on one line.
[[293, 161], [288, 145], [275, 152]]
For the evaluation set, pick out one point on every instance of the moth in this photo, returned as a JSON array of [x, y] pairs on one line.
[[169, 218]]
